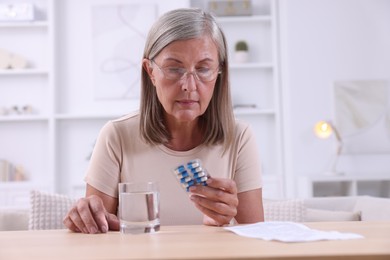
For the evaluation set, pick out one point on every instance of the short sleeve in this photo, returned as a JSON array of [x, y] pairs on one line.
[[105, 166], [248, 170]]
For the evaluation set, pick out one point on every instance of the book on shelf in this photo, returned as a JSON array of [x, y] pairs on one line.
[[10, 172]]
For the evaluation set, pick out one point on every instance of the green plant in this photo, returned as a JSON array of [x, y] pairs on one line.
[[241, 46]]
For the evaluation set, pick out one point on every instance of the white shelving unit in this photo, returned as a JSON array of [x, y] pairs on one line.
[[377, 185], [255, 85], [27, 139]]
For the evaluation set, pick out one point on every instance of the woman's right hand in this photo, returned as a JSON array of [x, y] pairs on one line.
[[90, 216]]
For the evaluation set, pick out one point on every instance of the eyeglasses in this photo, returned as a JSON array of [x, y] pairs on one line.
[[204, 74]]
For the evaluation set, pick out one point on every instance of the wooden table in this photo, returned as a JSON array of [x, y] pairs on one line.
[[194, 242]]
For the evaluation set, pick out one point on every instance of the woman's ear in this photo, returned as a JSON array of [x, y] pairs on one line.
[[147, 65]]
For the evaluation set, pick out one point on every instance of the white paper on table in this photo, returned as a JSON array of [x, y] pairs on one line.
[[288, 232]]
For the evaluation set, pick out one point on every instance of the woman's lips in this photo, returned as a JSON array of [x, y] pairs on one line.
[[187, 102]]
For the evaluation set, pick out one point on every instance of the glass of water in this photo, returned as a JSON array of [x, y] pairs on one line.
[[139, 207]]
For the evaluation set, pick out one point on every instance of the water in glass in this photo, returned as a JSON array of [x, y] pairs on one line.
[[139, 212]]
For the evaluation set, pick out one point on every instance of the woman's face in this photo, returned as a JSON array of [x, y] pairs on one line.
[[185, 96]]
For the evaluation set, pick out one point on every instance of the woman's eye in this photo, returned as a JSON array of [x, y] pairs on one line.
[[203, 70], [174, 70]]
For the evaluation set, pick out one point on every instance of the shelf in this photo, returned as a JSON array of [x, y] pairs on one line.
[[357, 177], [244, 19], [33, 24], [85, 116], [23, 118], [23, 72]]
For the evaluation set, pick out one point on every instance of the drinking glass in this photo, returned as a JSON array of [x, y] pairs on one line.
[[139, 207]]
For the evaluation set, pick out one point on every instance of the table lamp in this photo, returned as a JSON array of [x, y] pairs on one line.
[[324, 129]]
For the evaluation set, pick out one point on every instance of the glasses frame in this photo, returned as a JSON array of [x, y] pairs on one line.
[[185, 75]]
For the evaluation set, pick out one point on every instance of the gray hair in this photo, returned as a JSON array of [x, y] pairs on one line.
[[218, 119]]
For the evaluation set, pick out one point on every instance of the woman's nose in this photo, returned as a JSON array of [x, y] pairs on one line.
[[189, 81]]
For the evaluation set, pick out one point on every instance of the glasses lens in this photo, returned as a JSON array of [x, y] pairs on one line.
[[173, 73], [202, 74], [205, 74]]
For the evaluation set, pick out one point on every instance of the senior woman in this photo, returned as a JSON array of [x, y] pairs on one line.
[[185, 113]]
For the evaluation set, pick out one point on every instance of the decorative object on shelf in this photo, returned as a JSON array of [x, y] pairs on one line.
[[14, 110], [10, 60], [19, 173], [27, 110], [5, 168], [3, 111], [17, 110], [17, 12], [324, 129], [18, 62], [230, 7], [241, 54], [5, 57]]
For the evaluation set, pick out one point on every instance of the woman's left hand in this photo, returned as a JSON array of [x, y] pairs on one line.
[[218, 200]]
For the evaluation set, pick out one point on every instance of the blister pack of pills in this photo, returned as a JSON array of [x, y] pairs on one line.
[[190, 174]]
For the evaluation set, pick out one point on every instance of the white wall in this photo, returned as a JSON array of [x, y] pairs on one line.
[[75, 55], [324, 41]]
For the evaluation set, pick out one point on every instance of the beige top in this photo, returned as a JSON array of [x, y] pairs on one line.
[[121, 155]]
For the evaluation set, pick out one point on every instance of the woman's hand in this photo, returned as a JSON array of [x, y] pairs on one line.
[[218, 200], [90, 216]]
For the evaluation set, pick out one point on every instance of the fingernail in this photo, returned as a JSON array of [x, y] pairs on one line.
[[104, 229], [93, 230]]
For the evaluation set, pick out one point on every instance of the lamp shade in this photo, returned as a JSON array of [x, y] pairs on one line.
[[323, 129]]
